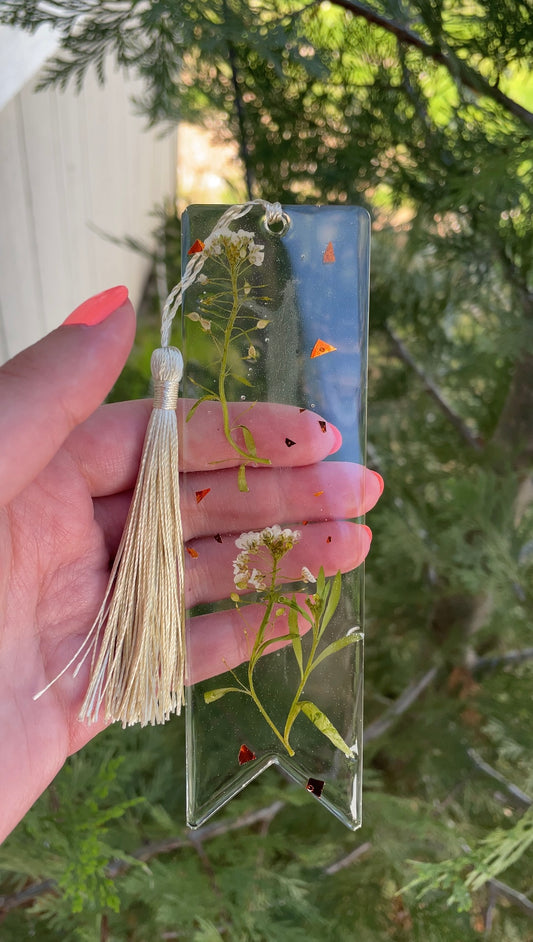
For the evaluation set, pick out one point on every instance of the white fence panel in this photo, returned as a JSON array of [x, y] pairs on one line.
[[71, 167]]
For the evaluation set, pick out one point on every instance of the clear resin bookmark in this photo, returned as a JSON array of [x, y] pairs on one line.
[[275, 344]]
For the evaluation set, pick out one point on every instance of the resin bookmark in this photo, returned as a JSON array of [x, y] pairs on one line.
[[275, 341]]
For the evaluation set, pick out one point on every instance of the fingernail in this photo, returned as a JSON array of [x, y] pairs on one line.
[[96, 309], [368, 530], [381, 482], [337, 438]]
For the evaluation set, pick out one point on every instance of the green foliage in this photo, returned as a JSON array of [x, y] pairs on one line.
[[469, 872], [422, 112]]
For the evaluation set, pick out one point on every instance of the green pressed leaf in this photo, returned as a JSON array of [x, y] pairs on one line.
[[333, 601], [266, 644], [296, 641], [241, 379], [249, 440], [325, 726], [320, 582], [336, 646], [241, 478], [208, 397], [211, 695]]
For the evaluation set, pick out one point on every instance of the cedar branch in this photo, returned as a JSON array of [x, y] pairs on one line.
[[117, 867], [513, 790], [456, 67], [406, 699], [458, 423]]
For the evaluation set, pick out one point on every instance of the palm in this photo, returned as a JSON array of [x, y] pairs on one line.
[[56, 556]]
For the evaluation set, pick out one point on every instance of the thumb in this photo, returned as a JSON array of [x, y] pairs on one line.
[[52, 386]]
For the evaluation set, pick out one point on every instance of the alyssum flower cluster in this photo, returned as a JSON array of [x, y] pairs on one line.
[[273, 542], [237, 246]]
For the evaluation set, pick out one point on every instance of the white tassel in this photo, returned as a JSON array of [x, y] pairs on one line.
[[137, 642], [138, 670]]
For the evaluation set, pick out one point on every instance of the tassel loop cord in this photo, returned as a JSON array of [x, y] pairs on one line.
[[136, 645], [274, 217]]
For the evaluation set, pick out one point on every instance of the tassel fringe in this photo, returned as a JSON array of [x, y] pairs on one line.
[[137, 642]]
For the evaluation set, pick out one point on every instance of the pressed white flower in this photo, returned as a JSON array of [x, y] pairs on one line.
[[248, 541], [257, 580], [194, 316], [291, 534], [203, 279], [205, 324], [255, 255], [241, 571], [307, 575], [271, 533]]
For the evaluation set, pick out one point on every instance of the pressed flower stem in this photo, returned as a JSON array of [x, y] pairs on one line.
[[223, 372], [253, 659], [293, 712]]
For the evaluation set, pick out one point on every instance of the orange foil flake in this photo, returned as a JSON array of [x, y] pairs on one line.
[[192, 552], [304, 523], [320, 348], [329, 255], [196, 247], [318, 493], [201, 494], [328, 539], [246, 755]]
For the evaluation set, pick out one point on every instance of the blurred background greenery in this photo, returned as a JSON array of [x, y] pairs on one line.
[[422, 112]]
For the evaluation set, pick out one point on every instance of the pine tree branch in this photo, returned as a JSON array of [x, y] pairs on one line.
[[513, 790], [117, 867], [512, 896], [406, 699], [348, 860], [403, 354], [206, 833], [457, 68], [511, 657]]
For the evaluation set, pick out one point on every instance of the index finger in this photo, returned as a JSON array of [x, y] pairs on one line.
[[107, 447]]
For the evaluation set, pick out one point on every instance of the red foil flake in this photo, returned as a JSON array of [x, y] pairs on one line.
[[196, 247], [201, 494], [315, 786], [192, 552], [328, 539], [320, 348], [323, 425], [246, 755], [329, 255]]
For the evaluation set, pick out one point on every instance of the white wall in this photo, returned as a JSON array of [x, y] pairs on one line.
[[68, 163]]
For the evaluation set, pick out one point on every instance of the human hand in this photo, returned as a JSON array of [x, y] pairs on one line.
[[66, 472]]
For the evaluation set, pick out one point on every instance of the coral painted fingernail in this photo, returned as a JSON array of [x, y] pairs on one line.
[[96, 309], [368, 530], [381, 482]]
